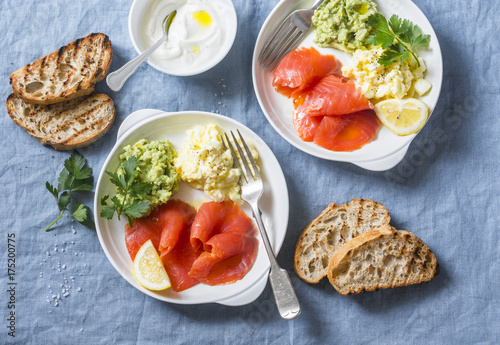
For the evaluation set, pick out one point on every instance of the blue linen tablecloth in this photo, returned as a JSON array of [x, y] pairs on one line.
[[445, 191]]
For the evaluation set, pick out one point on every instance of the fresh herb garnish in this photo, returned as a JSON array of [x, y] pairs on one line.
[[74, 177], [132, 190], [398, 37]]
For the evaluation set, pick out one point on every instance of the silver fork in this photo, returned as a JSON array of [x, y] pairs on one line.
[[251, 191], [288, 36]]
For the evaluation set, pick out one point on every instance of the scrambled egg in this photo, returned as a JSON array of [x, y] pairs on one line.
[[394, 81], [205, 165]]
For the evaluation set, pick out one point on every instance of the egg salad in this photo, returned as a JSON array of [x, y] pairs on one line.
[[205, 165], [398, 80]]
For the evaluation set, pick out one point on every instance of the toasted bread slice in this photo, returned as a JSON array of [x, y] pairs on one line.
[[67, 125], [380, 259], [68, 73], [335, 226]]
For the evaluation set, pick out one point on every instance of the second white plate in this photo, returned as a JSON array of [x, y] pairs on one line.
[[274, 204], [388, 149]]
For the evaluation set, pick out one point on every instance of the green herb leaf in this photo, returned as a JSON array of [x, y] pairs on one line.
[[129, 168], [107, 212], [73, 177], [64, 200], [52, 190], [131, 204], [137, 208], [140, 189], [79, 212], [65, 180], [398, 37]]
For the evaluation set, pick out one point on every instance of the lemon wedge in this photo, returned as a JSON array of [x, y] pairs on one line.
[[402, 116], [149, 270]]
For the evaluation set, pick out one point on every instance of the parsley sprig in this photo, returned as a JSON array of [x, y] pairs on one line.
[[131, 189], [74, 177], [398, 37]]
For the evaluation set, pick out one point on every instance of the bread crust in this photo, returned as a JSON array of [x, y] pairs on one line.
[[356, 217], [70, 72], [299, 247], [390, 233], [67, 125]]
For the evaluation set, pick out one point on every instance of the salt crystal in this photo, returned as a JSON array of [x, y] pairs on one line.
[[76, 254], [223, 85], [58, 270], [48, 300], [84, 265], [56, 304], [72, 278], [63, 290], [79, 289], [62, 250], [63, 266], [58, 296], [79, 274], [72, 242], [52, 267], [66, 294]]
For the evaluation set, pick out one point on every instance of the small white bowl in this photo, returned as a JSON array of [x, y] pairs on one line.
[[135, 19]]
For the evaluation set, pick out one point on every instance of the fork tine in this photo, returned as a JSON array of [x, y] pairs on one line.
[[285, 46], [233, 153], [243, 159], [282, 32], [249, 156]]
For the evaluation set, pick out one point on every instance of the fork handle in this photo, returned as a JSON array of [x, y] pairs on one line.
[[284, 294]]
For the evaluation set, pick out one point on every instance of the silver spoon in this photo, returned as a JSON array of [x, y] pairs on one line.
[[117, 79]]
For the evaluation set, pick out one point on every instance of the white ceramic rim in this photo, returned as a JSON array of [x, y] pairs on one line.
[[230, 37], [278, 240], [345, 156]]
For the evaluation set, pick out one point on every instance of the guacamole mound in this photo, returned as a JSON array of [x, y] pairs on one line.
[[155, 167], [342, 24]]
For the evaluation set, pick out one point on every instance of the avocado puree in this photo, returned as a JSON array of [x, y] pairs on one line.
[[155, 167], [342, 24]]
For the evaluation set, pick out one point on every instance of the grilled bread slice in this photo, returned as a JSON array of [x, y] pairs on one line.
[[379, 259], [67, 125], [334, 227], [68, 73]]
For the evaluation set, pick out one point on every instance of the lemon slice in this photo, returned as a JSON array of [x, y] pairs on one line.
[[149, 270], [402, 116]]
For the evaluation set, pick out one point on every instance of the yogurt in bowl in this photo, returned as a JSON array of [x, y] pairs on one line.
[[200, 36]]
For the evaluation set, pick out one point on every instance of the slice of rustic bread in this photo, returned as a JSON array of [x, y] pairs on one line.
[[335, 226], [67, 125], [379, 259], [68, 73]]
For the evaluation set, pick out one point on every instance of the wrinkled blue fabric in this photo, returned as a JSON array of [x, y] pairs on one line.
[[445, 191]]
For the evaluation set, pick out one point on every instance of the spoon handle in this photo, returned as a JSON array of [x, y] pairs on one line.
[[117, 79]]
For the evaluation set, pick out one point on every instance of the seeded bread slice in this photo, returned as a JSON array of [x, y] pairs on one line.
[[380, 259], [67, 125], [335, 226], [68, 73]]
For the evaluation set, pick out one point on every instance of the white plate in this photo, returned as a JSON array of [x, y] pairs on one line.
[[157, 125], [388, 149]]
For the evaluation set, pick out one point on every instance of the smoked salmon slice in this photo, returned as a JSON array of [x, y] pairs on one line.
[[174, 217], [214, 218], [227, 236], [302, 68], [334, 96], [228, 258], [349, 132], [140, 232], [306, 125], [178, 262]]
